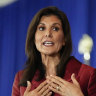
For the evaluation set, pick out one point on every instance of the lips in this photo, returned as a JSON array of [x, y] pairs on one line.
[[48, 43]]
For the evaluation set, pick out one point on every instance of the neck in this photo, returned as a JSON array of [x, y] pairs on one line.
[[50, 62]]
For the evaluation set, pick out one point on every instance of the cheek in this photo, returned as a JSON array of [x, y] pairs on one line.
[[38, 40], [60, 39], [37, 37]]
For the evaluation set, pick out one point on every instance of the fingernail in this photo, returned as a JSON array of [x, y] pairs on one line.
[[49, 87], [47, 77], [73, 75], [50, 93], [51, 75], [27, 83], [47, 81]]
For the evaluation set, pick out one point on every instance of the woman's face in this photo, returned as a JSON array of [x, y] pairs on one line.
[[49, 36]]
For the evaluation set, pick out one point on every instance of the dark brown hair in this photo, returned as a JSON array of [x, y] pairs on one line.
[[34, 60]]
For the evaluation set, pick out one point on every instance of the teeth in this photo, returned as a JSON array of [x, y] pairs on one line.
[[48, 43]]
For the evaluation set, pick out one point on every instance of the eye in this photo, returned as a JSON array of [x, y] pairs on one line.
[[55, 28], [41, 28]]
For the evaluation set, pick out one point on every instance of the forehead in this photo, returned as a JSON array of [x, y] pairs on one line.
[[48, 18]]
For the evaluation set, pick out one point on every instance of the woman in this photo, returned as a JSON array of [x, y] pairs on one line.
[[50, 70]]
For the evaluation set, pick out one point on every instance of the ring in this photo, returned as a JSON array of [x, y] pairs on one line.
[[58, 88]]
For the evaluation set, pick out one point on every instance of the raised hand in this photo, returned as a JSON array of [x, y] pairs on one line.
[[63, 87], [41, 90]]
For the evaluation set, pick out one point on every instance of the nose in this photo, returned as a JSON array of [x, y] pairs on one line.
[[48, 33]]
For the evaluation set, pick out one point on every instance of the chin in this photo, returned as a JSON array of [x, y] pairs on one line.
[[50, 53]]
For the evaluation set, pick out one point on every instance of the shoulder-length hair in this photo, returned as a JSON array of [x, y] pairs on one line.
[[34, 60]]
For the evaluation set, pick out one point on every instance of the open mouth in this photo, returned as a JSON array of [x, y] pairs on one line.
[[48, 43]]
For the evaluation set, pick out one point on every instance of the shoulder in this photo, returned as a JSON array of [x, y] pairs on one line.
[[86, 76], [86, 69], [87, 79], [18, 75], [82, 67], [83, 70], [15, 87]]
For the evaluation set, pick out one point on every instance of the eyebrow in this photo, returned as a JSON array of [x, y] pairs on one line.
[[52, 24], [41, 24], [57, 24]]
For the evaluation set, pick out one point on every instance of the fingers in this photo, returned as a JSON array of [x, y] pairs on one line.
[[41, 90], [44, 90], [57, 80], [61, 81], [49, 94], [74, 80], [54, 90], [56, 84], [41, 85], [51, 84], [28, 87], [63, 87], [57, 88]]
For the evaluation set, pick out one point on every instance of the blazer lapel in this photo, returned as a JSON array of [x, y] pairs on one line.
[[35, 83], [73, 66]]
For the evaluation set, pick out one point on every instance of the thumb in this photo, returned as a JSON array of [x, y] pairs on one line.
[[28, 86], [74, 80]]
